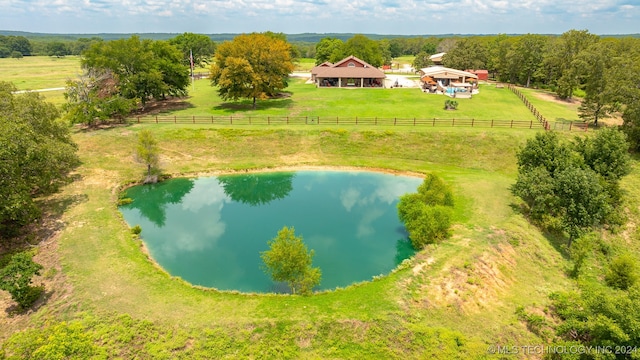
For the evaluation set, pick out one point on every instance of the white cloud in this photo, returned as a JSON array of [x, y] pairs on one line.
[[295, 16]]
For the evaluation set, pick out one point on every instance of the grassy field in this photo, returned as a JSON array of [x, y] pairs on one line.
[[450, 301], [307, 100]]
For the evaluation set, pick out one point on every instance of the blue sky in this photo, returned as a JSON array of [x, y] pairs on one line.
[[410, 17]]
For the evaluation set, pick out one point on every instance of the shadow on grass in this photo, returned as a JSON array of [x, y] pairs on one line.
[[247, 105], [556, 238], [15, 309], [43, 229]]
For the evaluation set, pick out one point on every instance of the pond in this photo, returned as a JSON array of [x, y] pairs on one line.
[[210, 231]]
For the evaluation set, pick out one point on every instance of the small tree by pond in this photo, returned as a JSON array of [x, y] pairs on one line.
[[427, 214], [16, 276], [288, 260], [147, 152]]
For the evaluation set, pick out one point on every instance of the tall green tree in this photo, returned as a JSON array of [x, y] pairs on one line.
[[596, 66], [575, 183], [37, 154], [200, 46], [326, 48], [288, 260], [562, 53], [142, 69], [253, 66], [467, 53], [526, 57], [422, 60], [363, 48]]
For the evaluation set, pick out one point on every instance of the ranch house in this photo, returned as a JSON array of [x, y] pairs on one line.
[[350, 72]]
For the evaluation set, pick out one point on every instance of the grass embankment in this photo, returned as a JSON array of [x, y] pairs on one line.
[[451, 301]]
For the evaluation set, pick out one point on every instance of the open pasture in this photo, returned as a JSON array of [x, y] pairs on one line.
[[451, 300]]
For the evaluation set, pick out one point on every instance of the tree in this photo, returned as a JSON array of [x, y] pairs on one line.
[[142, 69], [94, 98], [560, 59], [253, 66], [526, 57], [607, 153], [288, 260], [201, 47], [422, 60], [326, 48], [427, 214], [468, 53], [575, 183], [57, 48], [37, 154], [16, 276], [596, 66], [581, 201], [147, 151], [363, 48]]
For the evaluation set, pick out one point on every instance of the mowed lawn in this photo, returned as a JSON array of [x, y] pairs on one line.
[[304, 99]]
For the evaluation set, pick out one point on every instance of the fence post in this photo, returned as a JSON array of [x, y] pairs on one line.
[[249, 120], [376, 121], [394, 121], [586, 127], [512, 124], [337, 122], [531, 125], [414, 121], [356, 120], [491, 122], [472, 121], [453, 122], [194, 119], [434, 122], [156, 119], [268, 120], [230, 120]]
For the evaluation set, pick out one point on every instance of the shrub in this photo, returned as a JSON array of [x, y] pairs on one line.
[[427, 214], [622, 273], [450, 104], [136, 230], [16, 276]]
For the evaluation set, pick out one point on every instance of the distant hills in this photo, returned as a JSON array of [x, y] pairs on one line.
[[304, 37]]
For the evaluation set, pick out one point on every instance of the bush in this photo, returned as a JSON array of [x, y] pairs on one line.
[[136, 230], [16, 276], [427, 214], [622, 273], [450, 104]]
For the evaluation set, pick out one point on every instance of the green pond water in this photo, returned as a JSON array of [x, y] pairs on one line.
[[210, 231]]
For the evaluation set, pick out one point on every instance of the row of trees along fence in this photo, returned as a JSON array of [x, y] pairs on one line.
[[316, 120], [568, 125]]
